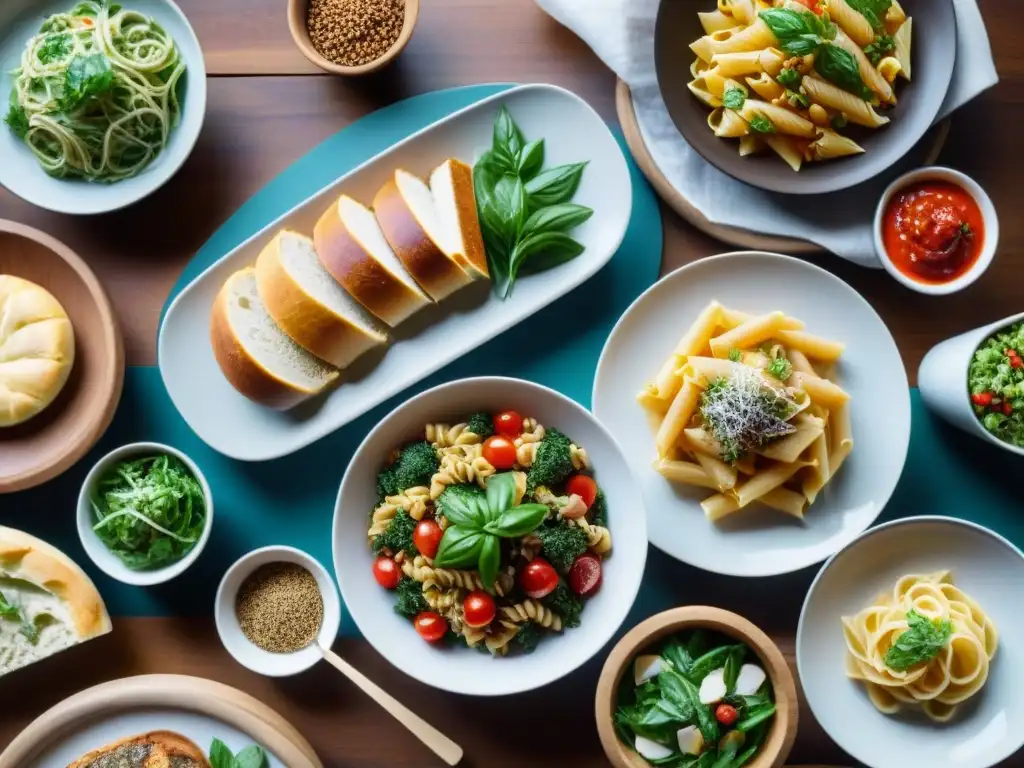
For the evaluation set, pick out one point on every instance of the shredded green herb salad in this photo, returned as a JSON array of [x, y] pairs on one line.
[[703, 701], [97, 92], [995, 380], [150, 512]]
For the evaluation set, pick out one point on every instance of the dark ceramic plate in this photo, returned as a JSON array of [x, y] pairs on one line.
[[933, 52]]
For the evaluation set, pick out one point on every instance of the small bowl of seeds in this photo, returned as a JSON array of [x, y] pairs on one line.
[[275, 607], [352, 37]]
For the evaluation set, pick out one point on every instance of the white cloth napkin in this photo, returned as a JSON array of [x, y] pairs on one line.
[[621, 32]]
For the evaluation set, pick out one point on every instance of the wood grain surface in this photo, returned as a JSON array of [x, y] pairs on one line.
[[267, 107]]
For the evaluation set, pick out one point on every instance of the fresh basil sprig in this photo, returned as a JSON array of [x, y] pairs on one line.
[[478, 522], [798, 32], [253, 756], [519, 205], [840, 67], [921, 642]]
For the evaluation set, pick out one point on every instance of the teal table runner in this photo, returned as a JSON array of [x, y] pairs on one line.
[[291, 501]]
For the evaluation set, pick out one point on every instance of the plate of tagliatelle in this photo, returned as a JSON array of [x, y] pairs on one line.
[[908, 646]]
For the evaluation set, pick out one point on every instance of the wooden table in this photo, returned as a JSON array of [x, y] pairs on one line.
[[267, 107]]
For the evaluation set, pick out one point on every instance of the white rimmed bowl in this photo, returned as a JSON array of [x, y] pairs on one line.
[[461, 670], [20, 171], [760, 542], [942, 379], [988, 212], [247, 653], [106, 560], [989, 727]]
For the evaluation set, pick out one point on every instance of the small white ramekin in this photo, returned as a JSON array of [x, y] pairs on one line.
[[97, 551], [988, 213]]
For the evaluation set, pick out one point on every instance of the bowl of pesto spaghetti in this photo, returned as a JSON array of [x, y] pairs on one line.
[[106, 100]]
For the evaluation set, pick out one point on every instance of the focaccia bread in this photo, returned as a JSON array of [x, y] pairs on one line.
[[158, 749], [49, 603]]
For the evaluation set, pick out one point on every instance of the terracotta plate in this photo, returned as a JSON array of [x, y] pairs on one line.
[[41, 448]]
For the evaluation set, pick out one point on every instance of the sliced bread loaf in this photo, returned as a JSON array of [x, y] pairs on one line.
[[256, 356], [451, 185], [353, 249], [410, 222], [309, 305]]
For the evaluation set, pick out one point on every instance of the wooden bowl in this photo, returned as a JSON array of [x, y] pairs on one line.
[[297, 13], [46, 445], [781, 735]]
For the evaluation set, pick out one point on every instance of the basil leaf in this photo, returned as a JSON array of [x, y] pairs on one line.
[[557, 218], [504, 160], [732, 668], [705, 719], [460, 547], [510, 203], [839, 66], [517, 521], [710, 661], [221, 756], [761, 124], [460, 508], [872, 10], [734, 98], [676, 654], [555, 185], [531, 159], [557, 246], [253, 756], [507, 134], [85, 78], [489, 561], [797, 32], [501, 490], [673, 690], [550, 259], [921, 642]]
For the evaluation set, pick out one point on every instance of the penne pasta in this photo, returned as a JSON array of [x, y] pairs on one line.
[[821, 391], [842, 437], [678, 416], [765, 87], [707, 369], [855, 109], [650, 401], [868, 73], [799, 361], [750, 145], [699, 89], [813, 346], [772, 61], [721, 473], [831, 145], [737, 64], [698, 440], [715, 82], [727, 124], [852, 22], [716, 21], [789, 448], [902, 41], [895, 17], [684, 472], [765, 481], [782, 119], [743, 11], [751, 333], [818, 474], [788, 148], [756, 37]]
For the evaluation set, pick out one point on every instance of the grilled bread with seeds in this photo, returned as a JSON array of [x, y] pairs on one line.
[[157, 749]]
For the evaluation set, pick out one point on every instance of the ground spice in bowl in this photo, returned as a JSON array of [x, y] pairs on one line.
[[280, 608], [354, 32]]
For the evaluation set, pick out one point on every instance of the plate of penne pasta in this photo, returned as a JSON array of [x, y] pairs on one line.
[[763, 405], [805, 96]]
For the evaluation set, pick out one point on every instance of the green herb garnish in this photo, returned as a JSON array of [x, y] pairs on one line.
[[734, 98], [17, 121], [880, 48], [797, 99], [780, 368], [744, 413], [921, 642], [11, 612], [799, 32], [965, 228], [761, 124], [525, 211], [839, 66], [253, 756], [790, 78], [86, 77], [149, 512], [54, 47], [872, 10], [477, 525], [735, 355]]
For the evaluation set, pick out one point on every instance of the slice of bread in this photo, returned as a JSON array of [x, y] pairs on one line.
[[309, 305], [451, 185], [408, 218], [255, 355], [352, 248], [157, 749]]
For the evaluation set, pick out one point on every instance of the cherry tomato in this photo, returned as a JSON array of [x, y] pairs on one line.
[[427, 537], [500, 452], [430, 626], [726, 714], [585, 575], [539, 578], [386, 572], [584, 487], [1016, 362], [479, 609], [982, 399], [509, 424], [1007, 407]]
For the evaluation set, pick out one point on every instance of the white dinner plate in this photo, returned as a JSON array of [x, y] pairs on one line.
[[239, 428], [986, 729], [758, 541]]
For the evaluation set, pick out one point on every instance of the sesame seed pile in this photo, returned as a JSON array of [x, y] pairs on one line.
[[354, 32], [280, 608]]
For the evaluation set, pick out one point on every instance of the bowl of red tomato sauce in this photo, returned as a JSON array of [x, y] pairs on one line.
[[936, 230]]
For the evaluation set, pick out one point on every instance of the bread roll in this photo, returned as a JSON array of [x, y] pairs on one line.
[[309, 306], [54, 596], [255, 355], [157, 749], [451, 185], [353, 249], [409, 220], [37, 349]]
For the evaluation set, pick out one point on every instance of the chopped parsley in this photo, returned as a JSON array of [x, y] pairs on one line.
[[734, 98], [761, 124], [880, 48], [797, 99], [735, 355], [743, 412], [780, 368], [789, 78]]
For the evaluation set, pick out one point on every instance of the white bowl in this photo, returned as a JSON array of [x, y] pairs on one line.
[[247, 653], [760, 542], [942, 379], [106, 560], [20, 171], [461, 670], [988, 212], [988, 728]]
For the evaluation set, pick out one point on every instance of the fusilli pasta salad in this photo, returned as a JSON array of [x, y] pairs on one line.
[[490, 532]]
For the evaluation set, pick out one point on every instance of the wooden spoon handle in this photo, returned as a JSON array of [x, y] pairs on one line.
[[443, 747]]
